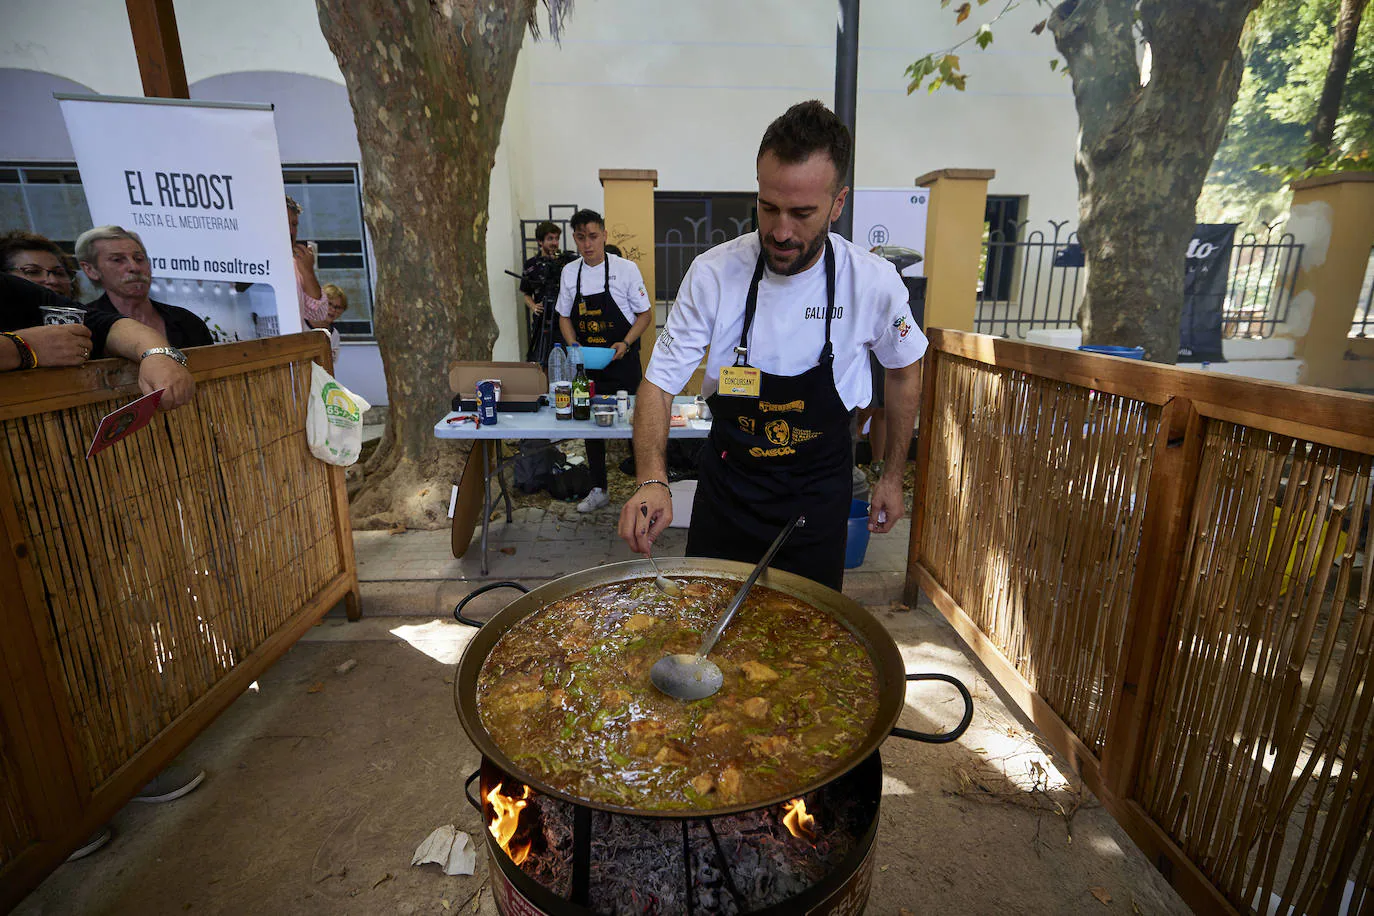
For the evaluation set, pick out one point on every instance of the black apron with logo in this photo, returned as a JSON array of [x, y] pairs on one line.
[[771, 457], [599, 322]]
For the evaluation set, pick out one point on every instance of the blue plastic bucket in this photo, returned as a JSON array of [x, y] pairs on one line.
[[1123, 352], [856, 544]]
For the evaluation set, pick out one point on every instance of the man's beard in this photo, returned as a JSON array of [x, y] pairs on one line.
[[800, 263]]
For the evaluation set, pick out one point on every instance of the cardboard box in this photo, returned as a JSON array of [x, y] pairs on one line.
[[522, 384]]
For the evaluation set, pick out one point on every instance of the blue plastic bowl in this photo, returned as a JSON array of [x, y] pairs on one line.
[[1123, 352], [856, 545], [597, 357]]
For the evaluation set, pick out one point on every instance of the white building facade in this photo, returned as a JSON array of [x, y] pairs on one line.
[[685, 89]]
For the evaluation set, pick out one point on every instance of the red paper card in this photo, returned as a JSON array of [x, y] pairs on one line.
[[125, 421]]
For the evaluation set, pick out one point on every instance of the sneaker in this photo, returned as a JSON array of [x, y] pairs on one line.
[[170, 784], [97, 839], [595, 500]]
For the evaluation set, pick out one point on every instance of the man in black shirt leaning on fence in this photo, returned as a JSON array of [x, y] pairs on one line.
[[115, 260], [26, 342]]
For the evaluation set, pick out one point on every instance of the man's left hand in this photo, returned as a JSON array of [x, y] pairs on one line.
[[620, 348], [888, 505], [161, 371]]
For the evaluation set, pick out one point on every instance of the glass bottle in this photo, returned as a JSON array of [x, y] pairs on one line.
[[582, 394]]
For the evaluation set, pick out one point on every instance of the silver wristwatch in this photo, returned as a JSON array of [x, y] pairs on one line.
[[173, 352]]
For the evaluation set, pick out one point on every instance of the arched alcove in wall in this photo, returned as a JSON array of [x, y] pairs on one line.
[[34, 129], [313, 115]]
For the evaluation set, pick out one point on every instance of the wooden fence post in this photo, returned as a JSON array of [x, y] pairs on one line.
[[1169, 502], [924, 428]]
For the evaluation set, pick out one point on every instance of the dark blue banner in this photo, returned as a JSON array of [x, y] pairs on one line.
[[1208, 264]]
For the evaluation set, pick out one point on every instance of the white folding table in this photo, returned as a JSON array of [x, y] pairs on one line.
[[489, 463]]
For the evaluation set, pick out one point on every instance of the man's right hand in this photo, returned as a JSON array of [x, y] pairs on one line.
[[161, 371], [305, 258], [646, 514], [536, 307], [58, 344]]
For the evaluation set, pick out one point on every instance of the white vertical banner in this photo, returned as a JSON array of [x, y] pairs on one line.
[[893, 218], [201, 184]]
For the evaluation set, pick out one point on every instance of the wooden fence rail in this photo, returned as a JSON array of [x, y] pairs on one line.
[[143, 590], [1169, 572]]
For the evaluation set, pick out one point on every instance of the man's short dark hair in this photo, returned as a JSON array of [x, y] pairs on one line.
[[546, 227], [807, 128], [12, 243], [584, 218]]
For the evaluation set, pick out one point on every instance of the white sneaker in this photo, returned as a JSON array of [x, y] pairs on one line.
[[595, 500]]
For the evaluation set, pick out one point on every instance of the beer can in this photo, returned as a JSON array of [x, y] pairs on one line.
[[562, 400], [486, 402]]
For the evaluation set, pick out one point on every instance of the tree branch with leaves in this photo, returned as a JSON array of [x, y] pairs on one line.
[[1153, 84]]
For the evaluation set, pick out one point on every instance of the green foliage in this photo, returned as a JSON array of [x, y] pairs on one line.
[[1267, 139], [942, 67]]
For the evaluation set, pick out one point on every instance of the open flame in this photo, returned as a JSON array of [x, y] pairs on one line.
[[503, 826], [800, 824]]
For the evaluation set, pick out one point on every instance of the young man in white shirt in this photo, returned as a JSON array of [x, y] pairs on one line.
[[602, 302], [789, 315]]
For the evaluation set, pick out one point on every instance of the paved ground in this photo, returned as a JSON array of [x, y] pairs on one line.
[[321, 783]]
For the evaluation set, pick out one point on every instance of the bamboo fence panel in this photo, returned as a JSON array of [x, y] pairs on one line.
[[16, 826], [1259, 761], [1034, 506], [169, 557]]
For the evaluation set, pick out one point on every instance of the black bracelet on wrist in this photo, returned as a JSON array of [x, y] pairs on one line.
[[661, 483]]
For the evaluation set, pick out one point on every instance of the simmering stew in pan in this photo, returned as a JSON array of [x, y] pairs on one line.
[[566, 695]]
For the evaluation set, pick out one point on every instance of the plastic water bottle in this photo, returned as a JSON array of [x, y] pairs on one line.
[[574, 359], [559, 369]]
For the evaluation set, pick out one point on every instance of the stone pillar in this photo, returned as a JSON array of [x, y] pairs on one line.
[[1333, 218], [954, 243], [629, 212]]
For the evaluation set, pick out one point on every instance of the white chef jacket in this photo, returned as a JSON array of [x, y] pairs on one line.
[[871, 314], [627, 286]]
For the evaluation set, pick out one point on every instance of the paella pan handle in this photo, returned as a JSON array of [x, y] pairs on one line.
[[467, 790], [458, 610], [941, 737]]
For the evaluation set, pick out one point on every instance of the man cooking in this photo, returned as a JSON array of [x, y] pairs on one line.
[[789, 314], [602, 302]]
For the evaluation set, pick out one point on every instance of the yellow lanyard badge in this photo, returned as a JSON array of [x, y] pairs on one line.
[[739, 381]]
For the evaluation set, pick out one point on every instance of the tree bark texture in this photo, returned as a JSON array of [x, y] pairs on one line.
[[1144, 151], [1342, 53], [428, 81]]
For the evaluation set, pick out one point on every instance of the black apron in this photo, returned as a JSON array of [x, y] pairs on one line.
[[771, 457], [599, 322]]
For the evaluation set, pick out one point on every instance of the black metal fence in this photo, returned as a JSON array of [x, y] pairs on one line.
[[687, 224], [1263, 273], [559, 214], [1035, 279], [1363, 323], [1029, 282]]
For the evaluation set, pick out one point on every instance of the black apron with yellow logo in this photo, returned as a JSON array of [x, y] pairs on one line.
[[769, 458], [599, 322]]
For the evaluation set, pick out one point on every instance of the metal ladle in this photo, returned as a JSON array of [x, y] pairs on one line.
[[695, 677], [663, 583]]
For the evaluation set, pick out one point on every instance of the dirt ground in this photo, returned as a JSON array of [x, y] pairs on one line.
[[321, 784]]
